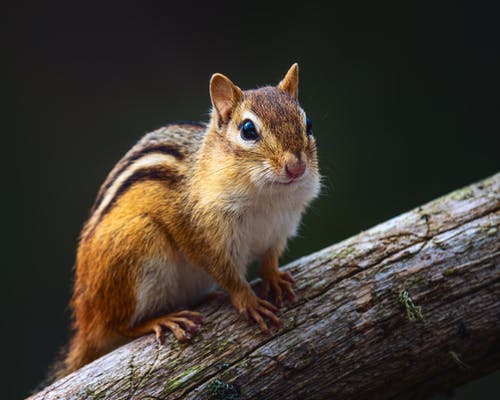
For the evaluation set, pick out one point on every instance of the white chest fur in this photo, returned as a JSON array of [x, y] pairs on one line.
[[166, 286], [266, 226]]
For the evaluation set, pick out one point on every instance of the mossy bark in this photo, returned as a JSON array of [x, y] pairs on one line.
[[404, 310]]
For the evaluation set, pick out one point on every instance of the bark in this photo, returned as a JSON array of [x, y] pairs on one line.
[[404, 310]]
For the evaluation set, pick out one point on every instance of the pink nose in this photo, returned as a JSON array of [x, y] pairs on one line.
[[295, 169]]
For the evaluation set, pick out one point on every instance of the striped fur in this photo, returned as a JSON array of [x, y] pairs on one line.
[[154, 157], [127, 162], [155, 172], [191, 205]]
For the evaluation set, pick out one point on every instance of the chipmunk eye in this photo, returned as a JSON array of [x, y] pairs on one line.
[[248, 131], [309, 126]]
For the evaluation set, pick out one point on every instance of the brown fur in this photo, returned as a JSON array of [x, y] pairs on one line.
[[189, 207]]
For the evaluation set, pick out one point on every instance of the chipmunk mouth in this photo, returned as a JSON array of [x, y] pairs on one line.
[[270, 177], [288, 181]]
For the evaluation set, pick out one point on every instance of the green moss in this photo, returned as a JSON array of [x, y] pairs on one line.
[[491, 231], [194, 339], [462, 194], [419, 279], [175, 345], [413, 312], [222, 345], [183, 377], [345, 251], [492, 180], [383, 270], [457, 360], [319, 284], [219, 390], [449, 271], [329, 264]]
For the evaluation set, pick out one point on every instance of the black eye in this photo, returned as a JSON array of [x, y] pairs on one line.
[[309, 126], [248, 131]]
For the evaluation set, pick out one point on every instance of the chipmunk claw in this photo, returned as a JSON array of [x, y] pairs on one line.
[[279, 283], [183, 324], [254, 308]]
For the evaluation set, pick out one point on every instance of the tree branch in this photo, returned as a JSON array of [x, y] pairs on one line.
[[404, 310]]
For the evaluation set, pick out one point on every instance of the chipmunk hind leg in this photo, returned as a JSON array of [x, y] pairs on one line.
[[106, 300], [183, 324], [166, 284]]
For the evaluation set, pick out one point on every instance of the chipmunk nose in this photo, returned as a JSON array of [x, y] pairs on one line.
[[294, 166]]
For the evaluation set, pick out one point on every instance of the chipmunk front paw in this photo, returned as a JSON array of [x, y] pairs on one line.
[[279, 283], [251, 306]]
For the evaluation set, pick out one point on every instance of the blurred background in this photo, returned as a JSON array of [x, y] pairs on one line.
[[404, 99]]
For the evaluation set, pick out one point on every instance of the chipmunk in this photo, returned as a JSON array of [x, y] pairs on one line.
[[189, 207]]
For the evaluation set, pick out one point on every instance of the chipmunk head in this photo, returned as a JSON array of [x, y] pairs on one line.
[[267, 132]]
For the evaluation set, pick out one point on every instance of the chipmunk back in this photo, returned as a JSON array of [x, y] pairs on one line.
[[188, 208]]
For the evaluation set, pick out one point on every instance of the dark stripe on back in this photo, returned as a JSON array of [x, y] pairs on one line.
[[158, 148], [158, 173]]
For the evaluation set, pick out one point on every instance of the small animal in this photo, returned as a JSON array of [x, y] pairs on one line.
[[188, 208]]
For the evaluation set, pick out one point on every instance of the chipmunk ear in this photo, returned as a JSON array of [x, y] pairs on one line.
[[225, 96], [290, 83]]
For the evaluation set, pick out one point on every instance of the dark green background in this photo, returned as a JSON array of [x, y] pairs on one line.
[[404, 99]]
